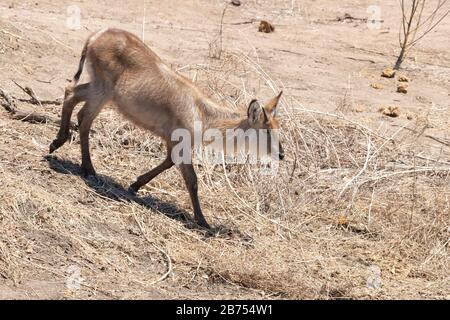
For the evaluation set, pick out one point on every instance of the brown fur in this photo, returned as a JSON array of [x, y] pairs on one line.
[[127, 73]]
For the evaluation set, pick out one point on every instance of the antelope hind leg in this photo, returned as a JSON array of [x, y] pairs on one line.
[[72, 96]]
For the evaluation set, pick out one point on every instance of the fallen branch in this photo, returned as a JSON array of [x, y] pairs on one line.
[[359, 59], [241, 22], [31, 117], [33, 97], [29, 91], [11, 34], [440, 140], [348, 17], [8, 103], [55, 102]]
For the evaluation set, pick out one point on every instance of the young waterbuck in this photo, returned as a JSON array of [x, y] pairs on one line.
[[128, 74]]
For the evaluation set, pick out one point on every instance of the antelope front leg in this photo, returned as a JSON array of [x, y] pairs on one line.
[[190, 178]]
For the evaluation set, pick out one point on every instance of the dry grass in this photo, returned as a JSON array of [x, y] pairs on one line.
[[348, 198]]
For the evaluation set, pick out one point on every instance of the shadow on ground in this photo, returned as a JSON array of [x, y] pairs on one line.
[[111, 189]]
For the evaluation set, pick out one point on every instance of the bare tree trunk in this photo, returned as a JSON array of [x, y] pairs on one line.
[[415, 26], [401, 56]]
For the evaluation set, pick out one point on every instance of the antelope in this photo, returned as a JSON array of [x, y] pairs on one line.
[[126, 73]]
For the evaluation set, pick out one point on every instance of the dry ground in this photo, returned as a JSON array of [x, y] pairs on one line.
[[359, 209]]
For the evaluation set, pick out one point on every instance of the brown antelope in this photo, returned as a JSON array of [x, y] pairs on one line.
[[127, 73]]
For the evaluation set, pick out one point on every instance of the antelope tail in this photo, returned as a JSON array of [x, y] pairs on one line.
[[77, 75]]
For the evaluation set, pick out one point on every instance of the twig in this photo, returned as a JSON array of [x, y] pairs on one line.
[[33, 97], [29, 91], [440, 140], [9, 105], [294, 166], [430, 159], [385, 176], [412, 23], [414, 197], [11, 34], [369, 213], [357, 59], [218, 53], [168, 259], [366, 163], [292, 52], [241, 22]]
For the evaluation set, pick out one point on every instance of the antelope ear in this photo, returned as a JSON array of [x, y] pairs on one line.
[[271, 106], [254, 112]]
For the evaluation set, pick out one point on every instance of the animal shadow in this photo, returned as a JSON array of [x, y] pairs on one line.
[[109, 188]]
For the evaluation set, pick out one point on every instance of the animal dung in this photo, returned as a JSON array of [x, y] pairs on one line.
[[390, 111], [403, 79], [266, 27], [376, 86], [409, 116], [388, 73], [402, 88], [359, 109]]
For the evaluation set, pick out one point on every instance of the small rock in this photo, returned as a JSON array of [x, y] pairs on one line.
[[390, 111], [359, 109], [342, 220], [402, 88], [266, 27], [236, 3], [43, 216], [376, 86], [409, 116], [388, 73], [403, 79]]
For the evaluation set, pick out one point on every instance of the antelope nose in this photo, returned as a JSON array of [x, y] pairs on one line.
[[281, 155]]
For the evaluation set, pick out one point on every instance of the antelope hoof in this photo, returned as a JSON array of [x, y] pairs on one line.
[[133, 189], [55, 145], [202, 223], [88, 172]]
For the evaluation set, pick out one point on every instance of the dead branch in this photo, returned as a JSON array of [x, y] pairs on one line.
[[414, 26], [440, 140], [29, 91], [215, 47], [360, 59], [56, 102], [8, 103], [241, 22], [33, 97]]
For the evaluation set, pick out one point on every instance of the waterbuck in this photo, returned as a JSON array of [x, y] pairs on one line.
[[128, 74]]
